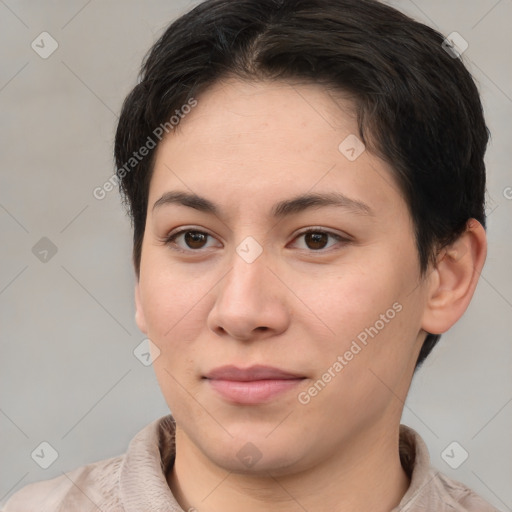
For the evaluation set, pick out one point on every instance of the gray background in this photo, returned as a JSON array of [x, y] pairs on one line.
[[68, 373]]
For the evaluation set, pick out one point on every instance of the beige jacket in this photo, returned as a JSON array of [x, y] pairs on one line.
[[136, 482]]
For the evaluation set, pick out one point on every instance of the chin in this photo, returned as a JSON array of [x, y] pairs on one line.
[[256, 454]]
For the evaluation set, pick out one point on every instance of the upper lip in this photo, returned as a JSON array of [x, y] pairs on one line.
[[257, 372]]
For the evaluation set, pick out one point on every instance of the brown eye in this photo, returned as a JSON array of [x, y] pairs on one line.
[[195, 239], [190, 240], [316, 240]]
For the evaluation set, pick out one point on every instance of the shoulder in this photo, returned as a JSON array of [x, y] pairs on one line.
[[105, 485], [458, 497], [85, 488], [429, 488]]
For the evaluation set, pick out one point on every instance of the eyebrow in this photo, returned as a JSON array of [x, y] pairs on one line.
[[282, 209]]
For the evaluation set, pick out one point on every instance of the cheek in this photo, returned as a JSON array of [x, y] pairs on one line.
[[369, 317], [173, 298], [174, 308], [351, 299]]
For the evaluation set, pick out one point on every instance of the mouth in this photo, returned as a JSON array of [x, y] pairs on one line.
[[253, 385]]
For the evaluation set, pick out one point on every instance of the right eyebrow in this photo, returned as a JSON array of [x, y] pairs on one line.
[[281, 209]]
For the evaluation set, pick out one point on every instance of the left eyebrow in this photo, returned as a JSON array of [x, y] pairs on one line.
[[282, 209], [317, 200]]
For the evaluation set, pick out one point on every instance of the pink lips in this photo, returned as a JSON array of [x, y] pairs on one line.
[[252, 385]]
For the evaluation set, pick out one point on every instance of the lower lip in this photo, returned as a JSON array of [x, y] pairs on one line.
[[252, 392]]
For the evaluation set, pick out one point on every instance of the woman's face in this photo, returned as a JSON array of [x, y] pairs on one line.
[[235, 279]]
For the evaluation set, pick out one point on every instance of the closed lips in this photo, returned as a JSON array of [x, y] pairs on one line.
[[253, 373]]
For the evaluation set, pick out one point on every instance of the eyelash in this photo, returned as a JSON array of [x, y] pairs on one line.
[[170, 240]]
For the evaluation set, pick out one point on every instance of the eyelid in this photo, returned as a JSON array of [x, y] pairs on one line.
[[169, 239], [320, 229], [339, 237]]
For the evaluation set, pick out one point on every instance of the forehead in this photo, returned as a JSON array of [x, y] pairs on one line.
[[242, 114], [267, 140]]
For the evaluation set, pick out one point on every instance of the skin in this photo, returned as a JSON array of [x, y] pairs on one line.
[[298, 306]]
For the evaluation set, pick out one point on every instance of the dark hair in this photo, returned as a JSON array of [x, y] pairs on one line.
[[418, 107]]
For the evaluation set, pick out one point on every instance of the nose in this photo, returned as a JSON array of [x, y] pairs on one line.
[[251, 302]]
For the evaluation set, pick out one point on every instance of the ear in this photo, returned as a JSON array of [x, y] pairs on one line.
[[453, 280], [140, 319]]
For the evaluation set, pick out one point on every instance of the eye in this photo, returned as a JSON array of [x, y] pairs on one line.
[[192, 239], [318, 239]]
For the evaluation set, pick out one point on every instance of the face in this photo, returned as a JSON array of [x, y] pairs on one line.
[[294, 265]]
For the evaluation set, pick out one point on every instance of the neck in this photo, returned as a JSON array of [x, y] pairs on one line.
[[346, 482]]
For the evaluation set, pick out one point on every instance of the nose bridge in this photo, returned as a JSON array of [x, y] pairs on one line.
[[246, 300], [249, 273]]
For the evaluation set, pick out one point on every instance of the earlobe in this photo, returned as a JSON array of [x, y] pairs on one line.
[[454, 279], [140, 319]]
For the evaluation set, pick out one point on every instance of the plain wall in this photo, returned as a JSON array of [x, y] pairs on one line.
[[68, 375]]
